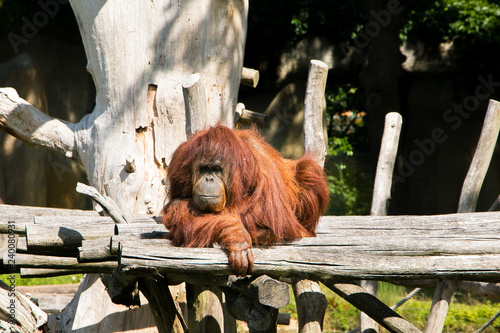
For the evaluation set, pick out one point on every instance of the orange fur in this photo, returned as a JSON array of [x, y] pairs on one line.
[[269, 199]]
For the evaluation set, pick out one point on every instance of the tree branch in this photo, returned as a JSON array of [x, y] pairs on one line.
[[27, 123]]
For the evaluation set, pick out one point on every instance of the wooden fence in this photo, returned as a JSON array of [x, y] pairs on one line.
[[451, 248]]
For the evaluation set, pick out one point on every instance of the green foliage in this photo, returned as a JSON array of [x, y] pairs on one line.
[[42, 281], [447, 20], [334, 19], [463, 316], [350, 185]]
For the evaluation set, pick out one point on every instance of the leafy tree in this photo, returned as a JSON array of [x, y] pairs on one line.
[[451, 20]]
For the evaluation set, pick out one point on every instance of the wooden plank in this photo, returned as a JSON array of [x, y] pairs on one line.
[[40, 211], [42, 238], [311, 302], [467, 203], [51, 298], [54, 262], [382, 195], [377, 310], [332, 262]]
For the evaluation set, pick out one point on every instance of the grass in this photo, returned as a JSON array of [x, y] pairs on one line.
[[42, 281], [466, 314]]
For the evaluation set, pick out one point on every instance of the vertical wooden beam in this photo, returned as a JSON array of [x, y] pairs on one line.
[[206, 311], [376, 309], [382, 195], [311, 302], [467, 203], [195, 102], [314, 109]]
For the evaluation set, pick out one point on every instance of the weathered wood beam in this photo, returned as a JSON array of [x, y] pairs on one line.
[[372, 306], [249, 77], [195, 103], [54, 262], [22, 120], [319, 263], [311, 302], [106, 203], [382, 195], [41, 237], [16, 210], [467, 203]]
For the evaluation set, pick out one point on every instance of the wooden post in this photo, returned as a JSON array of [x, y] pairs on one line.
[[249, 77], [205, 304], [360, 298], [195, 102], [468, 200], [311, 302], [205, 313], [126, 143], [382, 195]]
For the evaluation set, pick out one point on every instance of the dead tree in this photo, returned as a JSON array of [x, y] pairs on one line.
[[138, 54]]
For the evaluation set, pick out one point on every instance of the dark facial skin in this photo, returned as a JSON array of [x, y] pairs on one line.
[[208, 186]]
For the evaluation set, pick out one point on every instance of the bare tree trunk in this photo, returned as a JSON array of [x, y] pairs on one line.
[[139, 53]]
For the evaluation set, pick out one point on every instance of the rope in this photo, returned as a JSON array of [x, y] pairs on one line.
[[489, 322]]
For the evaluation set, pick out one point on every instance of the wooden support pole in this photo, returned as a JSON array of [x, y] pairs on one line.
[[314, 108], [205, 310], [371, 305], [106, 203], [311, 302], [242, 115], [382, 195], [195, 102], [205, 313], [249, 77], [467, 203]]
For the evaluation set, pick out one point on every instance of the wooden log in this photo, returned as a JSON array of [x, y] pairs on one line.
[[385, 165], [440, 305], [311, 303], [371, 305], [481, 160], [44, 238], [195, 103], [54, 262], [16, 224], [253, 117], [19, 314], [119, 241], [144, 230], [309, 299], [260, 318], [16, 210], [95, 250], [166, 311], [28, 273], [106, 203], [242, 115], [205, 312], [249, 77], [382, 195], [263, 289], [467, 203], [314, 107], [51, 298], [320, 263], [22, 246]]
